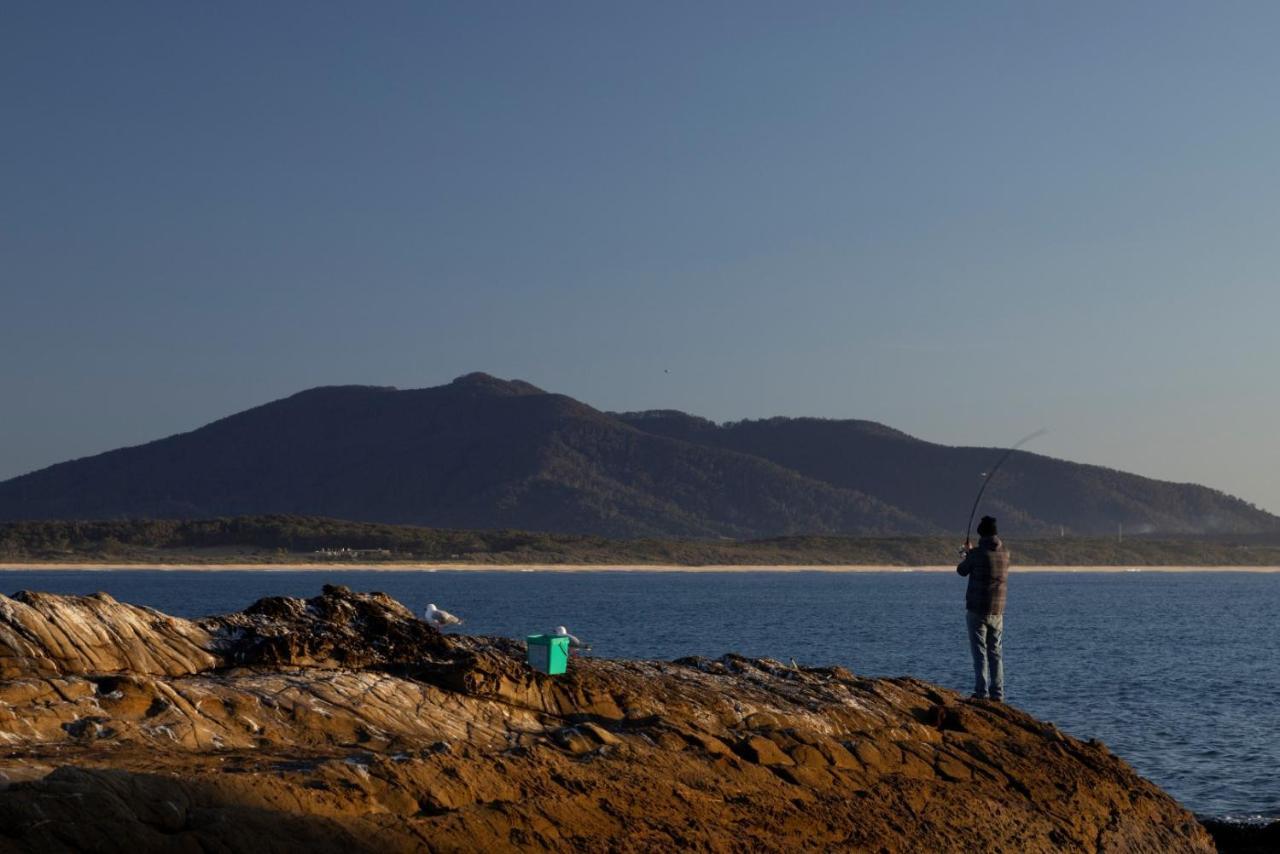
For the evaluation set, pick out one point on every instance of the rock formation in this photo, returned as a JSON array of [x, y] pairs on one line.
[[342, 723]]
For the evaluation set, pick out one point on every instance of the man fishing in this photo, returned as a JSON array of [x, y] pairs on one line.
[[987, 568]]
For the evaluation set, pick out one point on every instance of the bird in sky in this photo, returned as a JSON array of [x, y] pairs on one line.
[[440, 619]]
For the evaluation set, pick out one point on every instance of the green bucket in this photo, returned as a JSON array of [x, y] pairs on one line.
[[548, 653]]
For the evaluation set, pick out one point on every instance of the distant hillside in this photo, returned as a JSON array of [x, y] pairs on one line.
[[477, 453], [1033, 494], [484, 453]]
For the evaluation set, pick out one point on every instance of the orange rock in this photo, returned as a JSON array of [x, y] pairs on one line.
[[343, 724], [762, 751]]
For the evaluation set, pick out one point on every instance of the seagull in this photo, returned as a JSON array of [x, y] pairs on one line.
[[440, 619], [574, 643]]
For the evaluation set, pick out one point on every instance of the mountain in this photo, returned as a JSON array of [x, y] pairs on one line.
[[1033, 494], [482, 452], [476, 453]]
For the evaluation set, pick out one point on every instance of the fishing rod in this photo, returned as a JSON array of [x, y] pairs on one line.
[[986, 477]]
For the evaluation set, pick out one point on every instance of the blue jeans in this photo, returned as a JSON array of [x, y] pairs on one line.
[[986, 631]]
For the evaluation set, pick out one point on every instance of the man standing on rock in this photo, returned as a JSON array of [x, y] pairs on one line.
[[987, 567]]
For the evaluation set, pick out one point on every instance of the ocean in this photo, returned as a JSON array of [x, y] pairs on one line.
[[1176, 672]]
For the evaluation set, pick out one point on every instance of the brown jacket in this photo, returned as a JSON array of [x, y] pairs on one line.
[[987, 567]]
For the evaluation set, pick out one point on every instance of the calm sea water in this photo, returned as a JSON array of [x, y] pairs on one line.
[[1177, 673]]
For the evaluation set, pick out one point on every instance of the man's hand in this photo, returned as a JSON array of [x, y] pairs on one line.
[[968, 544]]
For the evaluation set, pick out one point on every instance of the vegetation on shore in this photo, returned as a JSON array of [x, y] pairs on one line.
[[281, 539]]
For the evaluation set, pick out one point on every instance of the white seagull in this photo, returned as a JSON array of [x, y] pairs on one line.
[[440, 619], [574, 643]]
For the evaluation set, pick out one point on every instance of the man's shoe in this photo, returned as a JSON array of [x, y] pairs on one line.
[[977, 697]]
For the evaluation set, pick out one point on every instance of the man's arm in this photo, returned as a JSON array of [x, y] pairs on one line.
[[966, 565]]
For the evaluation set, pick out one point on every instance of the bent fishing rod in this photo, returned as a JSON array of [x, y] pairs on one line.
[[990, 473]]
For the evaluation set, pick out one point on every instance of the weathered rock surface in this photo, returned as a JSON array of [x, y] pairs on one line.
[[342, 723]]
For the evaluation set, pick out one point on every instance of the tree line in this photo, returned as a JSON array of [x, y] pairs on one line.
[[288, 538]]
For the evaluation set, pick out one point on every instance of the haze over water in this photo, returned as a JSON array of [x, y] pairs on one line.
[[1173, 671]]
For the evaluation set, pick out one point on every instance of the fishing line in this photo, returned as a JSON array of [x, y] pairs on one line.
[[991, 473]]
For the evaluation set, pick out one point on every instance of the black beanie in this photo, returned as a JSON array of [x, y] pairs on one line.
[[987, 527]]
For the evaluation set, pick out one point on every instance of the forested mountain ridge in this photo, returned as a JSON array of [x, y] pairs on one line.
[[476, 453], [485, 453], [1034, 494]]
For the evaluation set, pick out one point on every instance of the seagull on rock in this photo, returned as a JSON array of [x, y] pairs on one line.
[[574, 643], [440, 619]]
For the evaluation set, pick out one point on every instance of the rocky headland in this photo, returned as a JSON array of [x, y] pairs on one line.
[[343, 723]]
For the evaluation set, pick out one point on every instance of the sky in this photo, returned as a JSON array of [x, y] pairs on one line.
[[966, 221]]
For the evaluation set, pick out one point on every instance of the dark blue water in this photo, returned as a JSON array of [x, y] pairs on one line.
[[1178, 673]]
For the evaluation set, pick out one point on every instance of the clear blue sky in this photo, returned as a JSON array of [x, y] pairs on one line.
[[965, 220]]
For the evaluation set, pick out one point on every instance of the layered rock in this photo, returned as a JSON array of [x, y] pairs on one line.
[[46, 635], [343, 723]]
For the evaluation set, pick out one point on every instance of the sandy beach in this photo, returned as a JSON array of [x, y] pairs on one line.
[[559, 567]]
